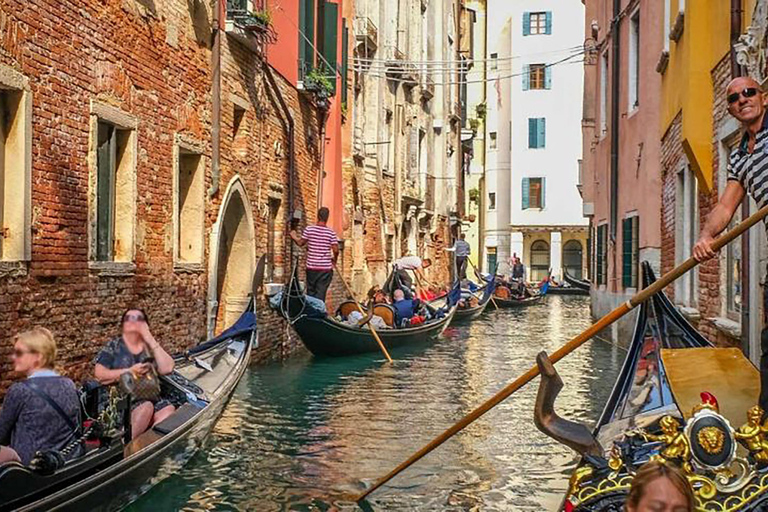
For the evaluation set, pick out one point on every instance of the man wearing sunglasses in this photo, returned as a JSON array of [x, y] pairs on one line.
[[747, 172]]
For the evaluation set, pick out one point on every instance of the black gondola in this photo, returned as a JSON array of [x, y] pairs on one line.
[[513, 302], [566, 289], [325, 336], [114, 473], [576, 283], [660, 409], [469, 313]]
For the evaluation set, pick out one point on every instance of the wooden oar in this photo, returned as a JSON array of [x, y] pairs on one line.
[[569, 347], [360, 309], [477, 273]]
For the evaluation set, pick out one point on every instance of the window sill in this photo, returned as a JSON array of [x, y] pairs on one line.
[[13, 269], [690, 314], [633, 112], [727, 326], [188, 268], [112, 268]]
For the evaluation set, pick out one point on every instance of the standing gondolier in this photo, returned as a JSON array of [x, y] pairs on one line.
[[401, 268], [322, 252], [747, 172], [462, 251]]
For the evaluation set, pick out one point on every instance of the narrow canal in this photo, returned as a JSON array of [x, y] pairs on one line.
[[302, 435]]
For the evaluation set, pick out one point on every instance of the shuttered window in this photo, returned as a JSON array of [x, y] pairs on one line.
[[306, 36], [344, 60], [602, 254], [533, 193], [537, 127], [537, 77], [105, 191], [630, 251], [330, 40], [537, 23]]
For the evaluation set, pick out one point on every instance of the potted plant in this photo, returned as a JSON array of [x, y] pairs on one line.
[[319, 83], [474, 124], [482, 110], [474, 195]]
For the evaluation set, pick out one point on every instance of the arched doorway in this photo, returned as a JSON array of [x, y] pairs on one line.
[[573, 261], [233, 251], [539, 260]]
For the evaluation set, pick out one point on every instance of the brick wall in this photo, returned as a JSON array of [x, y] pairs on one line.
[[154, 64]]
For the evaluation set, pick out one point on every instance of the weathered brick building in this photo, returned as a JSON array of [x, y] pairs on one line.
[[110, 193]]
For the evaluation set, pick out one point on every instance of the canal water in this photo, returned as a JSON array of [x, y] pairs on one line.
[[307, 433]]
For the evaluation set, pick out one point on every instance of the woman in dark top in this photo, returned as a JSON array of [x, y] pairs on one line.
[[29, 420], [128, 353]]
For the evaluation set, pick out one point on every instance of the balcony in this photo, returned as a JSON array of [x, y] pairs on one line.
[[317, 81], [455, 114], [247, 25], [427, 88], [399, 68], [366, 34]]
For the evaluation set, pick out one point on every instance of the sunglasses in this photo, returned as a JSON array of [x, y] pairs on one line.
[[134, 318], [17, 353], [747, 93]]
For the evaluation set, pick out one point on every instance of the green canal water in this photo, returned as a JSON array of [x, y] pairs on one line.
[[304, 434]]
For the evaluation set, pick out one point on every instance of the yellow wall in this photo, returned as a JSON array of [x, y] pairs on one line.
[[687, 81]]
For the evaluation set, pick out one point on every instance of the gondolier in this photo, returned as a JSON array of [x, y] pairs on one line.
[[415, 265], [747, 172], [322, 252], [462, 250]]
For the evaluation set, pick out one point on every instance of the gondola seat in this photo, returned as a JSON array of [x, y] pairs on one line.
[[345, 308], [178, 418], [386, 313]]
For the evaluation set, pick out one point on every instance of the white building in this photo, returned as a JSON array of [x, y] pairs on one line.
[[533, 139]]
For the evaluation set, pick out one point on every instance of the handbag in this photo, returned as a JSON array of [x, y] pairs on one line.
[[147, 386]]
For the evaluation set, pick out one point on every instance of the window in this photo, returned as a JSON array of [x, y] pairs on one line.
[[306, 36], [491, 200], [573, 260], [634, 61], [15, 166], [492, 140], [537, 76], [602, 254], [533, 193], [665, 34], [539, 260], [537, 23], [239, 126], [189, 202], [630, 252], [492, 260], [733, 272], [536, 132], [604, 93], [686, 233], [115, 185], [494, 64], [390, 248]]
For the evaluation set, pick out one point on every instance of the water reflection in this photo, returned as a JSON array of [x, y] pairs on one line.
[[306, 434]]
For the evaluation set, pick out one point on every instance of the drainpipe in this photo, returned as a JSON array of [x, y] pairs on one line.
[[324, 110], [216, 101], [291, 141], [736, 71], [615, 82]]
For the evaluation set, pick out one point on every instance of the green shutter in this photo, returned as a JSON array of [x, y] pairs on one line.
[[626, 253], [330, 40], [306, 36], [543, 199], [344, 59], [541, 132], [635, 250], [526, 76], [105, 155], [548, 76], [526, 193], [526, 24], [548, 29], [532, 132], [600, 257]]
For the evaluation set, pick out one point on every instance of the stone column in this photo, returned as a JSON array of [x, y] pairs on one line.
[[556, 255]]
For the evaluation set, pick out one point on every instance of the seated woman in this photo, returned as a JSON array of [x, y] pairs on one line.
[[659, 486], [128, 353], [29, 420]]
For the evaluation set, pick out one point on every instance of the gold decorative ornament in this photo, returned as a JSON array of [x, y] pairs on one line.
[[753, 435], [711, 439], [677, 447]]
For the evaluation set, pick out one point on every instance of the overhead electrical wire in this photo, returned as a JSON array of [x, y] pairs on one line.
[[460, 61]]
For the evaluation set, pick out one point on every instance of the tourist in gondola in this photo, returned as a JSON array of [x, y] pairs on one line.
[[406, 309], [518, 269], [136, 351], [322, 252], [747, 172], [415, 265], [41, 412], [659, 487]]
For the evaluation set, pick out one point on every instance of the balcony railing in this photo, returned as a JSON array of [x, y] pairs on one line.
[[428, 88], [247, 15], [400, 68], [366, 33]]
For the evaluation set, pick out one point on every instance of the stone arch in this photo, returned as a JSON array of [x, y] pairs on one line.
[[573, 258], [233, 258]]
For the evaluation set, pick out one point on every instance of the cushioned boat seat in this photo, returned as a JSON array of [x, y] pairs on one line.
[[386, 312], [346, 308], [184, 413]]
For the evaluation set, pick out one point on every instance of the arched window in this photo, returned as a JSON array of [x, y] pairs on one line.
[[573, 261], [539, 260]]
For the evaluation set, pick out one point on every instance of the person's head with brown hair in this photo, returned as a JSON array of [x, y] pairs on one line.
[[660, 487]]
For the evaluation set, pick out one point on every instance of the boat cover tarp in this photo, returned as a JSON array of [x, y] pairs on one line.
[[246, 323], [724, 372]]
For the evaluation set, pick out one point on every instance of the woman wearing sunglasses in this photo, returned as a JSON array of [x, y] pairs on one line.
[[134, 351], [747, 172], [41, 412]]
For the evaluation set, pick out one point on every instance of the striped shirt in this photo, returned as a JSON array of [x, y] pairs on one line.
[[751, 169], [319, 239]]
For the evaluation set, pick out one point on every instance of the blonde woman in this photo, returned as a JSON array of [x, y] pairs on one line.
[[659, 487], [41, 412]]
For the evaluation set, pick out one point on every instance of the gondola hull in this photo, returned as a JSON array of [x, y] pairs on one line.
[[518, 303], [566, 290], [109, 479], [327, 338], [576, 283], [464, 315]]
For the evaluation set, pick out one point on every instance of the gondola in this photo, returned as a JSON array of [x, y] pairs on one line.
[[659, 409], [513, 302], [566, 289], [580, 284], [467, 314], [324, 336], [114, 470]]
